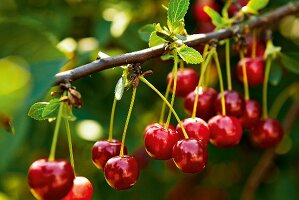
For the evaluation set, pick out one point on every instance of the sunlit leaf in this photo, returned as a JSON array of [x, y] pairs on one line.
[[119, 88], [215, 16], [177, 10], [37, 109], [51, 109], [155, 40], [189, 55]]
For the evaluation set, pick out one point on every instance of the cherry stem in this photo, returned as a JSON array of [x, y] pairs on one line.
[[127, 122], [166, 96], [56, 131], [228, 68], [265, 87], [167, 103], [220, 82], [175, 74], [112, 119], [201, 78], [245, 80], [253, 53], [182, 65], [69, 139]]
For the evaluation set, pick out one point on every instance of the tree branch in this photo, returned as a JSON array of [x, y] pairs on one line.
[[193, 40]]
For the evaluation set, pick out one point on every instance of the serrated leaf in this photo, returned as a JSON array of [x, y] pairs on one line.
[[215, 16], [67, 113], [36, 110], [119, 88], [164, 36], [290, 62], [275, 72], [51, 109], [145, 32], [177, 10], [189, 55], [155, 40]]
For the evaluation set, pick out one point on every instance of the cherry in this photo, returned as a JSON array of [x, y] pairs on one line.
[[251, 115], [267, 133], [121, 172], [234, 103], [199, 14], [159, 141], [82, 189], [254, 70], [259, 49], [103, 150], [196, 128], [233, 9], [190, 155], [205, 104], [50, 180], [187, 80], [205, 27], [226, 131]]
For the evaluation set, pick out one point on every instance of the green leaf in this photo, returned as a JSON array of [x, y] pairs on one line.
[[164, 36], [166, 57], [67, 112], [189, 55], [253, 6], [119, 88], [51, 109], [177, 10], [215, 16], [155, 40], [275, 72], [37, 109], [272, 50], [290, 61], [145, 32], [181, 37]]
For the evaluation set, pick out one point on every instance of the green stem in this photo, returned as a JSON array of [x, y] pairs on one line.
[[228, 68], [265, 87], [205, 52], [220, 82], [69, 139], [127, 122], [164, 105], [112, 119], [167, 103], [245, 80]]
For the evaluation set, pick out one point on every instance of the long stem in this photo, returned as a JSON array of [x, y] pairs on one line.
[[127, 122], [220, 82], [112, 119], [205, 53], [245, 80], [167, 103], [265, 87], [227, 60], [253, 51], [164, 105], [69, 139]]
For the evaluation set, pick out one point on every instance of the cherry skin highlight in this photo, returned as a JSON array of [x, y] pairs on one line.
[[226, 131], [82, 190], [103, 150], [50, 180], [234, 103], [251, 115], [254, 70], [121, 172]]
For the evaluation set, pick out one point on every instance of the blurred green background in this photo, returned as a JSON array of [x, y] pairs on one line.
[[38, 37]]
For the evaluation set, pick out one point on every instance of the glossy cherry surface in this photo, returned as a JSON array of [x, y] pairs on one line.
[[196, 128], [198, 10], [251, 115], [81, 190], [190, 155], [103, 150], [50, 180], [205, 105], [159, 141], [234, 103], [226, 131], [254, 70], [267, 133], [121, 172], [187, 80]]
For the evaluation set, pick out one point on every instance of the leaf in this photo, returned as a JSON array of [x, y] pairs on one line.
[[67, 112], [36, 110], [181, 37], [164, 36], [275, 72], [290, 61], [253, 6], [155, 40], [51, 109], [189, 55], [145, 32], [215, 16], [177, 10], [166, 57], [272, 50], [119, 88]]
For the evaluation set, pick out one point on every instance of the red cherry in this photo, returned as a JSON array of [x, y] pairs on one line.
[[234, 103], [205, 27], [226, 131], [190, 155], [198, 10], [121, 172], [50, 180], [205, 104], [259, 48], [187, 80], [159, 141], [267, 133], [254, 70], [196, 128], [82, 189], [251, 115], [103, 150], [233, 9]]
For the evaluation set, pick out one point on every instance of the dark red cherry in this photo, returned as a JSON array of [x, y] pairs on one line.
[[205, 27], [198, 10], [234, 103], [159, 141], [121, 172], [267, 133], [226, 131], [103, 150], [187, 80], [251, 115], [259, 49], [254, 70], [50, 180], [190, 155], [196, 128], [205, 105], [82, 190]]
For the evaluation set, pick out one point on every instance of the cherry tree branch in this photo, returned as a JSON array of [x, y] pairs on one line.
[[192, 40]]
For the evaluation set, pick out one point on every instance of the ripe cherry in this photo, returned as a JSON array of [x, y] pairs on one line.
[[50, 180], [199, 14], [187, 80], [233, 9], [251, 115], [190, 155], [103, 150], [226, 131], [234, 103], [82, 189], [159, 141], [254, 70], [121, 172], [259, 48], [205, 105], [267, 133], [196, 128]]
